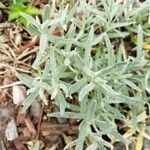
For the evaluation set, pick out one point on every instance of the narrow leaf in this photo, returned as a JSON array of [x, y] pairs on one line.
[[139, 42], [31, 20], [29, 100], [85, 90], [93, 146], [132, 85], [46, 12], [26, 79], [88, 47]]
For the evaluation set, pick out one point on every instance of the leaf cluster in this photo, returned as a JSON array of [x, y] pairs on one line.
[[87, 67]]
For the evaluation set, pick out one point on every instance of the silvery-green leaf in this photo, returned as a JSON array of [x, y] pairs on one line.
[[101, 147], [31, 20], [85, 90], [54, 93], [48, 23], [67, 62], [78, 61], [26, 79], [116, 112], [110, 69], [108, 89], [144, 6], [125, 99], [98, 13], [63, 11], [33, 30], [147, 83], [64, 88], [46, 12], [88, 72], [140, 42], [71, 33], [103, 126], [93, 146], [42, 96], [77, 86], [98, 39], [132, 85], [117, 34], [117, 135], [83, 128], [118, 25], [43, 43], [90, 114], [46, 70], [31, 90], [71, 12], [134, 119], [29, 99], [42, 48], [88, 47], [103, 142], [109, 49], [53, 64], [62, 102], [58, 40], [46, 87]]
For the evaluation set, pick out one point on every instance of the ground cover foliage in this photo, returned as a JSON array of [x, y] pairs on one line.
[[88, 61]]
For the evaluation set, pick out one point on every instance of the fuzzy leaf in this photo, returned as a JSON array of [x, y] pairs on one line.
[[31, 20], [46, 12], [26, 79], [93, 146], [85, 90], [30, 98]]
